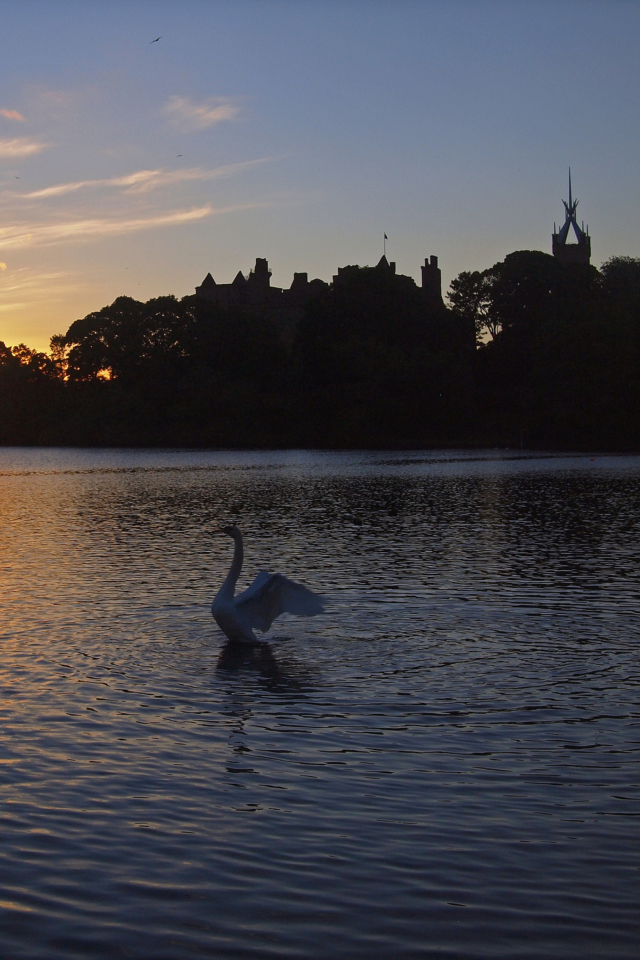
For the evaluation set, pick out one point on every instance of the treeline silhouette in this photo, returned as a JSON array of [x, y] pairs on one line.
[[528, 353]]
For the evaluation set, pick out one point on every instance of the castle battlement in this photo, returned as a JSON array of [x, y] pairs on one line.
[[255, 290]]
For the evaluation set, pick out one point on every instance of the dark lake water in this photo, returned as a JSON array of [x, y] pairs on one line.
[[444, 765]]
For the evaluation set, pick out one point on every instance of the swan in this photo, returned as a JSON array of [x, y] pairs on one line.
[[256, 608]]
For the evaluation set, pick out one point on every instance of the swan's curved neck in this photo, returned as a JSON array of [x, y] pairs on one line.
[[236, 563]]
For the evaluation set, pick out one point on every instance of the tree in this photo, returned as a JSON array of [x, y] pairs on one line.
[[30, 395], [470, 296], [378, 365], [128, 339], [523, 286], [621, 279], [518, 292]]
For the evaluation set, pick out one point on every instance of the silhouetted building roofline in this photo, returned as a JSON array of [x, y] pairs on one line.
[[256, 292]]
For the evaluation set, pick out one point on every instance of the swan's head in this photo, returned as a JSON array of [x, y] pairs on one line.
[[231, 531]]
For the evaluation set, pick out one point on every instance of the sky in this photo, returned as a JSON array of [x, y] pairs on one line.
[[301, 132]]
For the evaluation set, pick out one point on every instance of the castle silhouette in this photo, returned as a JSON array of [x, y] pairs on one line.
[[255, 292]]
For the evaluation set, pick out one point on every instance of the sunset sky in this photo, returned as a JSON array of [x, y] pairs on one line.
[[301, 131]]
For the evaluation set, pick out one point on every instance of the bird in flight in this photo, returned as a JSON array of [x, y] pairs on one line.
[[179, 155], [156, 40], [269, 595]]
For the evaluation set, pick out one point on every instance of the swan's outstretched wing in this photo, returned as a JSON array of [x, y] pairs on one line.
[[262, 578], [271, 594]]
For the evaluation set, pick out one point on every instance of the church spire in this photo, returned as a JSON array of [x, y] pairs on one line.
[[579, 252]]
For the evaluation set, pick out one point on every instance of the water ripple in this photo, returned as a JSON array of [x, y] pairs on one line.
[[445, 765]]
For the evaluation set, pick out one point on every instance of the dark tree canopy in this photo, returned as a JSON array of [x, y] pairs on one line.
[[562, 367], [470, 296], [379, 364], [128, 337], [369, 362], [517, 292], [621, 279]]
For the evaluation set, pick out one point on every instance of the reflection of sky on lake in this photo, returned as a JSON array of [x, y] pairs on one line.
[[446, 761]]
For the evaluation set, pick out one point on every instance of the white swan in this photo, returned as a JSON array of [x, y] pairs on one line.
[[269, 595]]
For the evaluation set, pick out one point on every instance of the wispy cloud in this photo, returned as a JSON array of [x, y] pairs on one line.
[[5, 307], [39, 235], [56, 99], [142, 181], [20, 147], [141, 177], [22, 279], [35, 288], [11, 114], [199, 116]]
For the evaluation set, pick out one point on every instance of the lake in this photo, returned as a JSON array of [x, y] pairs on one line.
[[444, 765]]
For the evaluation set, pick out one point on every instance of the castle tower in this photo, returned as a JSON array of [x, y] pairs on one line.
[[432, 282], [260, 276], [564, 252], [383, 264]]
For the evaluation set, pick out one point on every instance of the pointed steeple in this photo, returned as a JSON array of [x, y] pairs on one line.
[[383, 264], [570, 199], [579, 252]]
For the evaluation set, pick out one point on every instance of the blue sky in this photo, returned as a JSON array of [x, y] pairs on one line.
[[300, 132]]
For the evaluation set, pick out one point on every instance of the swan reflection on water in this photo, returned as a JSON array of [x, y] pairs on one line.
[[276, 676]]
